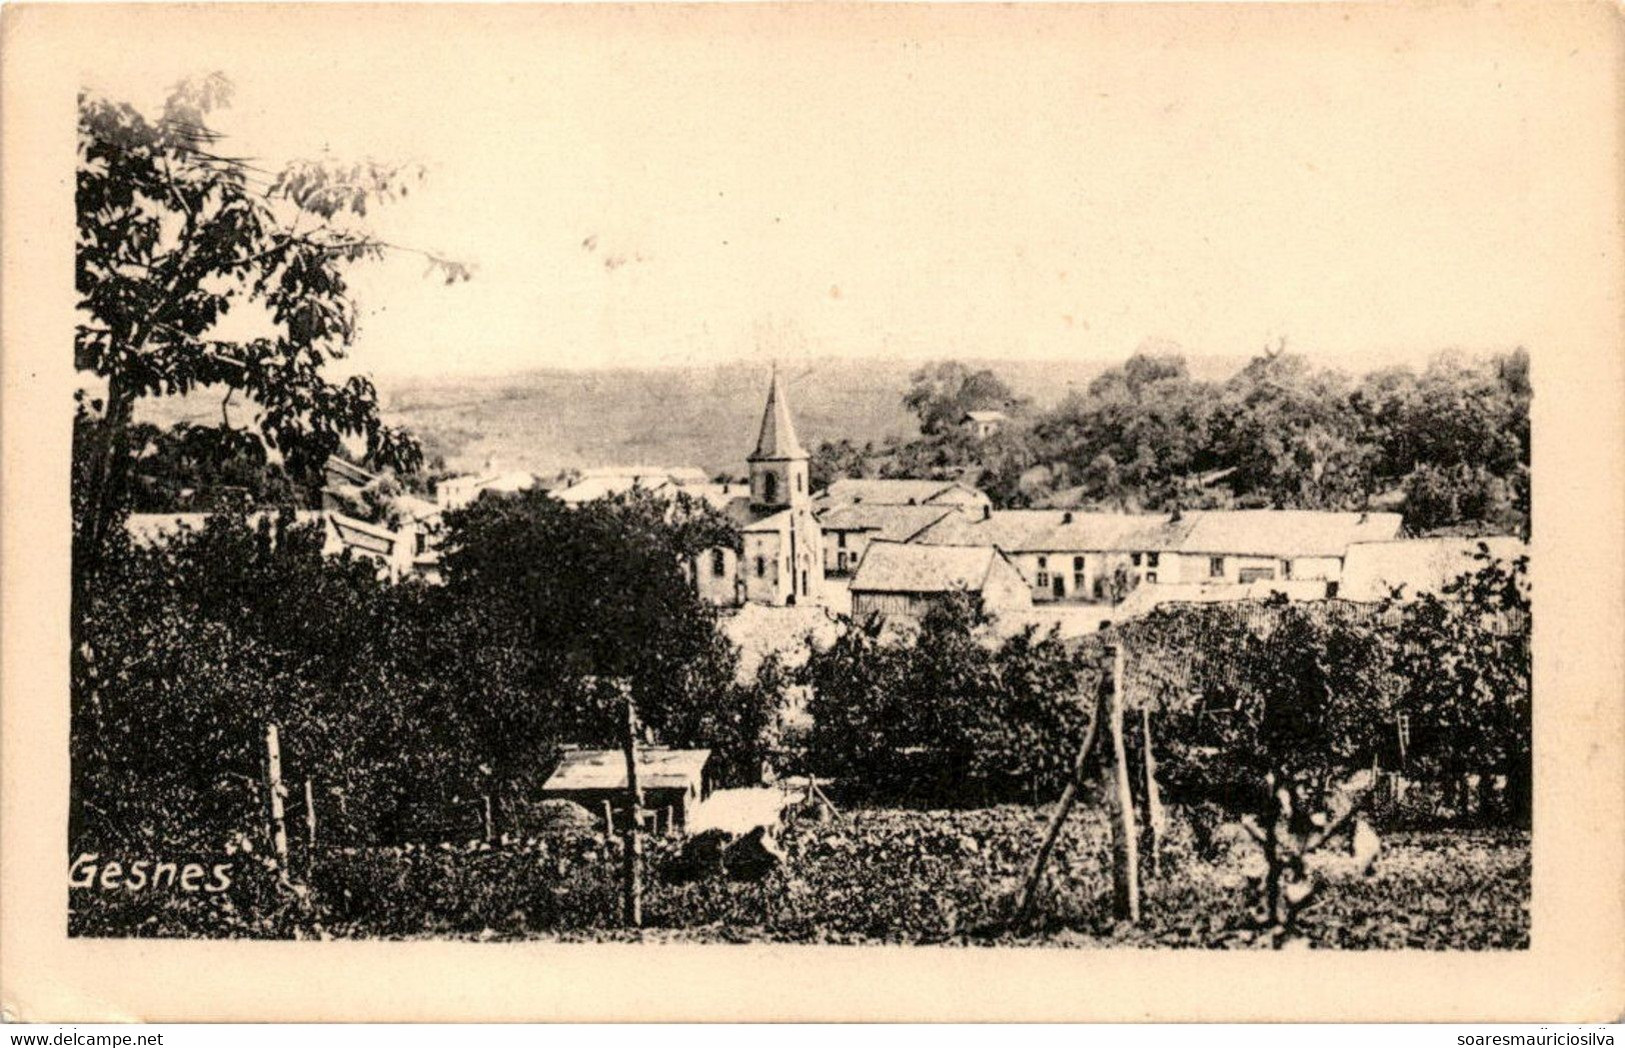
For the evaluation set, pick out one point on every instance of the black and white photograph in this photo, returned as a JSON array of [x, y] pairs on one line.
[[1012, 480]]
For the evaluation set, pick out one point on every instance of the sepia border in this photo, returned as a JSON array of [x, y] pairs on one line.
[[1573, 971]]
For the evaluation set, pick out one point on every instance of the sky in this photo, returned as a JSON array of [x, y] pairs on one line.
[[685, 186]]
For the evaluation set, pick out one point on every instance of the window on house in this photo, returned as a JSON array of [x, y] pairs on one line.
[[718, 563], [1077, 563], [1135, 559], [770, 487], [1043, 562], [1215, 567], [1150, 576], [761, 567], [840, 539], [1043, 579], [1151, 560], [798, 481]]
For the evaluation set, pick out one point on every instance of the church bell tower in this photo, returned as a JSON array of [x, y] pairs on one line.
[[778, 466]]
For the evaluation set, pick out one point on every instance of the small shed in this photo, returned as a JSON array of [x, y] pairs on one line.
[[670, 779]]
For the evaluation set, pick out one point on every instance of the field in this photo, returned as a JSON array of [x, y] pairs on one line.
[[868, 876], [706, 416]]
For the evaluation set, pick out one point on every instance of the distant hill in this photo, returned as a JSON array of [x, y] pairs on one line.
[[547, 420]]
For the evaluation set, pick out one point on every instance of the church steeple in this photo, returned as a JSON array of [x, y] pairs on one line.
[[778, 466], [777, 440]]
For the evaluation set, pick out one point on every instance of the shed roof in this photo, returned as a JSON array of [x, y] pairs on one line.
[[895, 567], [1372, 570], [658, 767]]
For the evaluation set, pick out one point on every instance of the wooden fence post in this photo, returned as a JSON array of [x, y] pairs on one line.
[[1156, 815], [632, 858], [1125, 841], [1035, 872], [310, 826], [275, 792]]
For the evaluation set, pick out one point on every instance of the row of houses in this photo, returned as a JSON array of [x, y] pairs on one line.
[[894, 545]]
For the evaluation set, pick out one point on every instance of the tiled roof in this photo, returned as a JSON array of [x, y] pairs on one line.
[[1372, 570], [880, 492], [893, 567], [889, 523], [1263, 532], [1284, 532], [1053, 530]]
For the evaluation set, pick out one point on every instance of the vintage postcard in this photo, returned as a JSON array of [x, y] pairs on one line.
[[813, 511]]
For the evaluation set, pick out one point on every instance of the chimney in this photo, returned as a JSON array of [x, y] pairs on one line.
[[987, 512], [1066, 518]]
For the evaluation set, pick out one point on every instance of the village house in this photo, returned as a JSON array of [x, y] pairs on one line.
[[1265, 544], [458, 491], [903, 580], [399, 553], [1071, 555], [848, 530], [980, 425], [1408, 568]]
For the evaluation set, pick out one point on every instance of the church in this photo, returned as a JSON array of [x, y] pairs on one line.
[[781, 560]]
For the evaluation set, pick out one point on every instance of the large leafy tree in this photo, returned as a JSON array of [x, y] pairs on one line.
[[173, 234]]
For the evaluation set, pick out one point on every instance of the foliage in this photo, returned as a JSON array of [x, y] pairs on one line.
[[1452, 441], [946, 714], [942, 393], [871, 876], [172, 236], [1464, 657]]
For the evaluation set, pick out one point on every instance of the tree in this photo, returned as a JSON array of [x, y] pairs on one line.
[[942, 393], [944, 715], [596, 595], [1464, 656], [172, 235]]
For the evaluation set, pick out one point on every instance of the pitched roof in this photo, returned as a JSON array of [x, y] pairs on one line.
[[850, 491], [1372, 570], [348, 472], [658, 767], [889, 523], [778, 437], [1053, 530], [895, 567], [1284, 532]]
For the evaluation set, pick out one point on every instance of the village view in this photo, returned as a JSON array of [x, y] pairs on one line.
[[1174, 655]]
